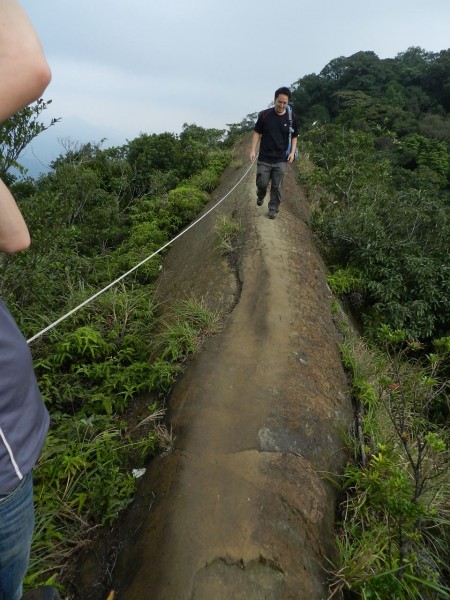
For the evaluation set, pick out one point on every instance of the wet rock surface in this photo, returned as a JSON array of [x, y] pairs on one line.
[[240, 508]]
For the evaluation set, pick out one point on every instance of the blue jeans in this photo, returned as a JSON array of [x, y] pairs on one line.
[[16, 530], [274, 173]]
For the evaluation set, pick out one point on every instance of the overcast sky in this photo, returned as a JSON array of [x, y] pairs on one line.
[[121, 68]]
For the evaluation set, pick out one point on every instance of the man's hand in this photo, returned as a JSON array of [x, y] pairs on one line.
[[256, 138]]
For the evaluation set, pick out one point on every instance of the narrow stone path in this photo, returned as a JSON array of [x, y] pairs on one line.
[[239, 509]]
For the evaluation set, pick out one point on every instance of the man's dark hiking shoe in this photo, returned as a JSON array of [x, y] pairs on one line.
[[44, 593], [272, 213], [259, 201]]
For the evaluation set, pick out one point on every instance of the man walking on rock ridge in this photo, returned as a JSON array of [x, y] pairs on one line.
[[276, 132]]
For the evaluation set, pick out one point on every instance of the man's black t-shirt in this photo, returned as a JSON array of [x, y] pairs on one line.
[[274, 129]]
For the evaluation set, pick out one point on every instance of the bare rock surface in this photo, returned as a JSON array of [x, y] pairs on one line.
[[240, 508]]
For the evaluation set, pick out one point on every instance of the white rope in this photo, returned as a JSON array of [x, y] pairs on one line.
[[77, 308]]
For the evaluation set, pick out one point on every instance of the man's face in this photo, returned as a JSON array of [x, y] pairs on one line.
[[280, 104]]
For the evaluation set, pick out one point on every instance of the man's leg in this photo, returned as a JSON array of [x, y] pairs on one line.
[[263, 171], [278, 171], [16, 530]]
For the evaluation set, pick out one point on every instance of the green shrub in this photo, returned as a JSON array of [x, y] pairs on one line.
[[186, 202], [207, 180]]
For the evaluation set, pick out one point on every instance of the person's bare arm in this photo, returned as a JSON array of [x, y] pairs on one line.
[[255, 143], [24, 75], [14, 235], [24, 72], [291, 156]]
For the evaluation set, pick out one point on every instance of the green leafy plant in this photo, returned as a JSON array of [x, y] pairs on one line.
[[81, 480]]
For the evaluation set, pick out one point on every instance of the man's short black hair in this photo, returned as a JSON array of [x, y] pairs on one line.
[[283, 90]]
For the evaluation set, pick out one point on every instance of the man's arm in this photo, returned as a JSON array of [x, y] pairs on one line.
[[255, 143], [24, 75], [291, 155], [24, 72], [14, 234], [294, 140]]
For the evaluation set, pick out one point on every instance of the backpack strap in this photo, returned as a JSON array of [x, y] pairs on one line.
[[291, 131], [289, 111]]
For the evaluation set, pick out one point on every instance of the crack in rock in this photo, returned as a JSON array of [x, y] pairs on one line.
[[222, 578]]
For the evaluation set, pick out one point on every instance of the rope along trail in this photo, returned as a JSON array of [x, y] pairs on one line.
[[110, 285]]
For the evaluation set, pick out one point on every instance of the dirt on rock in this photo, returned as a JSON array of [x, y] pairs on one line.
[[241, 508]]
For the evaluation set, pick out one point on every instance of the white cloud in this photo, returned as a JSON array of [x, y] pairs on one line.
[[141, 66]]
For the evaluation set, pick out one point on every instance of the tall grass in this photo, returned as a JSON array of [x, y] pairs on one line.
[[227, 230]]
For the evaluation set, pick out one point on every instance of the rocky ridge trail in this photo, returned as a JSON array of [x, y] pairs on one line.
[[240, 509]]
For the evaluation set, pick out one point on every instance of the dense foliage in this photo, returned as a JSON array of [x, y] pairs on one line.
[[376, 164], [95, 216], [408, 93], [375, 137], [383, 161]]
